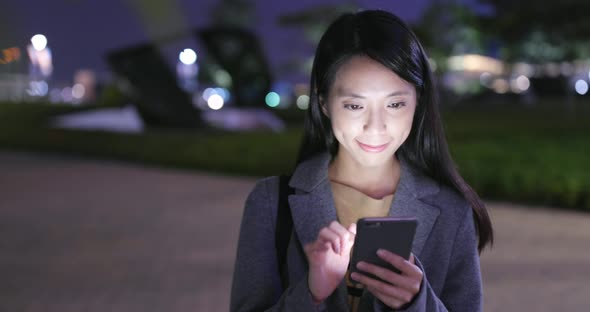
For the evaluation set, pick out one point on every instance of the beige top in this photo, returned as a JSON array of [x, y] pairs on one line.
[[352, 205]]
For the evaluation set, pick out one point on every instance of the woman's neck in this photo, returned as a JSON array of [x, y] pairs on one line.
[[376, 182]]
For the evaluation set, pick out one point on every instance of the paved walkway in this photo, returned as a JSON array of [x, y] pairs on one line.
[[86, 235]]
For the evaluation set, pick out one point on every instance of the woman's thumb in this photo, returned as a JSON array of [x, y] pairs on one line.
[[352, 228]]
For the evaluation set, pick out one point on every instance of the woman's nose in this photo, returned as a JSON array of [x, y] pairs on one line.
[[375, 121]]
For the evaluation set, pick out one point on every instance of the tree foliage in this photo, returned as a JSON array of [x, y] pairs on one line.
[[540, 31]]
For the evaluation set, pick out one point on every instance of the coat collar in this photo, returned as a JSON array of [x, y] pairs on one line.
[[312, 205]]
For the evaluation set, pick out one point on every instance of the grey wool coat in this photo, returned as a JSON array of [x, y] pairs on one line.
[[445, 246]]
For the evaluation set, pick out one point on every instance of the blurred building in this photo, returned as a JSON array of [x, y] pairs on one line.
[[14, 79]]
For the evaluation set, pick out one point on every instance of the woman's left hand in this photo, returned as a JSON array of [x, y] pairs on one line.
[[400, 288]]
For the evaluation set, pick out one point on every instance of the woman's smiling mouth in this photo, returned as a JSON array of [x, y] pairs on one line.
[[372, 148]]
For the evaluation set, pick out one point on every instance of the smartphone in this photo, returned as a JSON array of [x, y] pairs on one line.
[[390, 233]]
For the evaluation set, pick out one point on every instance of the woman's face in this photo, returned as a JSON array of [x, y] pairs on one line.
[[371, 110]]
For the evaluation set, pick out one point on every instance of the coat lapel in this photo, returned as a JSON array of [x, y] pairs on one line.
[[312, 211], [312, 205], [408, 202]]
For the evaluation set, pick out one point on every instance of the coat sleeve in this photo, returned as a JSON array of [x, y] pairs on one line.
[[256, 282], [462, 291]]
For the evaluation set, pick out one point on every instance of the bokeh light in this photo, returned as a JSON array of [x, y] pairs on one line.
[[66, 94], [223, 78], [208, 93], [38, 88], [273, 99], [432, 64], [39, 42], [581, 87], [223, 92], [303, 102], [78, 91], [500, 85], [215, 102], [523, 82], [475, 63], [485, 79], [520, 84], [188, 56]]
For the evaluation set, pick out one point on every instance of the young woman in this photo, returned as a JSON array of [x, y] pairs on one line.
[[373, 146]]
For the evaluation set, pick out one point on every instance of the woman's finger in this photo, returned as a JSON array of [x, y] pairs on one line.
[[404, 266], [383, 273], [352, 228], [342, 232], [328, 235], [411, 274], [384, 289]]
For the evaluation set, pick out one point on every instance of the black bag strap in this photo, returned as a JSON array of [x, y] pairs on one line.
[[284, 227]]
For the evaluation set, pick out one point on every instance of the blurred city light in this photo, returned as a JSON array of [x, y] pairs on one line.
[[500, 86], [520, 84], [188, 56], [40, 57], [432, 63], [223, 92], [525, 69], [208, 93], [78, 91], [37, 88], [9, 55], [39, 42], [475, 63], [222, 78], [66, 94], [485, 79], [303, 102], [87, 79], [215, 102], [581, 87], [273, 99]]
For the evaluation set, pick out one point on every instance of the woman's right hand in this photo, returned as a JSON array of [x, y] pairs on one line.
[[328, 259]]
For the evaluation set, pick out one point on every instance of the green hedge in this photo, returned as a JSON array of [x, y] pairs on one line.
[[516, 155]]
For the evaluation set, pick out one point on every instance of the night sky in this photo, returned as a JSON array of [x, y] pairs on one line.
[[80, 32]]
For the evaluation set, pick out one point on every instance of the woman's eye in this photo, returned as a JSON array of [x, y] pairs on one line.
[[352, 106], [397, 105]]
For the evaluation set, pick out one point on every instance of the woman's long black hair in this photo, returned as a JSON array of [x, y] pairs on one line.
[[386, 39]]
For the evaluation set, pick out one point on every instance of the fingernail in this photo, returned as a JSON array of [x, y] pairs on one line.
[[381, 252], [354, 276], [361, 265]]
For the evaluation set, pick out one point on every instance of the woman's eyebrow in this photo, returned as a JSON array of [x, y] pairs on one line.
[[344, 93]]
